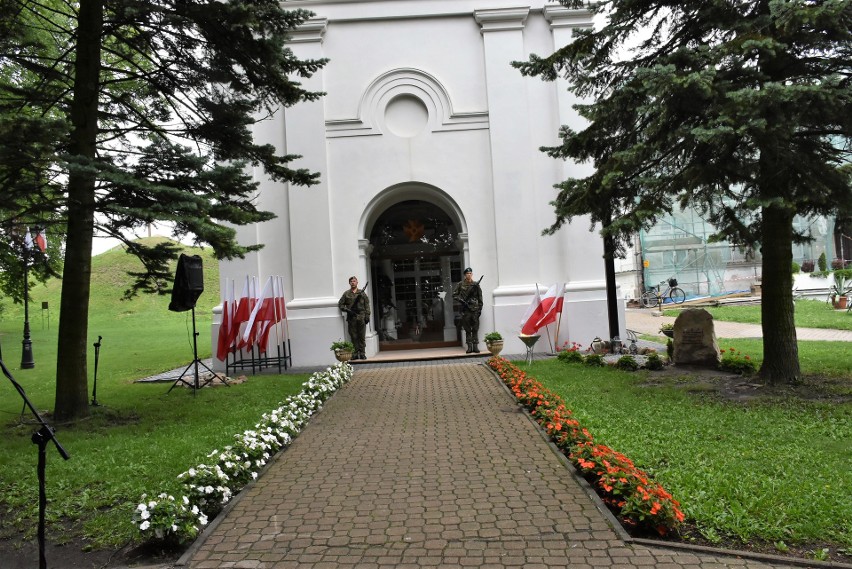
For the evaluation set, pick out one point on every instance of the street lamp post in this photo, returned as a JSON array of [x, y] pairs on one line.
[[27, 361]]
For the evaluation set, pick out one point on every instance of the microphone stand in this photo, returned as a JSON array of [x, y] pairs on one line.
[[41, 437]]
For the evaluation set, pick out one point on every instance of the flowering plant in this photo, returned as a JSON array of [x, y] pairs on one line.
[[168, 519], [493, 337], [210, 486], [626, 488], [735, 362], [207, 487], [639, 502], [343, 345], [565, 347]]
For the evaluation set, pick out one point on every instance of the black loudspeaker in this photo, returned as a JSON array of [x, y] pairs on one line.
[[189, 283]]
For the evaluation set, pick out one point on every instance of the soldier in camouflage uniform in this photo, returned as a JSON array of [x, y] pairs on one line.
[[355, 304], [469, 295]]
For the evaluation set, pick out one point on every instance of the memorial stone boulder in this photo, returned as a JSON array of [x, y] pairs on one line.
[[695, 339]]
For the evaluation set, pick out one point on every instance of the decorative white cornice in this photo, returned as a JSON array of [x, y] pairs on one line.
[[310, 32], [562, 17], [405, 81], [312, 303], [502, 19]]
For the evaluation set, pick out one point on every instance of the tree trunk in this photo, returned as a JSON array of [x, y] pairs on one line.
[[72, 384], [780, 350]]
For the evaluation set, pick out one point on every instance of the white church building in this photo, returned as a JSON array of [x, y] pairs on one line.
[[427, 144]]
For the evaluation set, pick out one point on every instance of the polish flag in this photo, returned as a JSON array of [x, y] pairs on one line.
[[225, 342], [532, 308], [41, 241], [241, 313], [547, 310], [280, 304], [264, 310]]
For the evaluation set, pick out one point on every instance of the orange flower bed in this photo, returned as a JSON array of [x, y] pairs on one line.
[[640, 503]]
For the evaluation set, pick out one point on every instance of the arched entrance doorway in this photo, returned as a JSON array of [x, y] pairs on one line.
[[415, 258]]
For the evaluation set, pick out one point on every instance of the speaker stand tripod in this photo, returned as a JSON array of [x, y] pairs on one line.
[[196, 384]]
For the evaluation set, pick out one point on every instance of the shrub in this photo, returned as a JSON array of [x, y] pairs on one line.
[[735, 362], [493, 337], [821, 262], [654, 362], [838, 264], [627, 363], [808, 266], [570, 356], [796, 267], [342, 345], [594, 360], [670, 349]]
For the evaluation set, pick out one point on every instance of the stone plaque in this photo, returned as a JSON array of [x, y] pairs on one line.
[[695, 339]]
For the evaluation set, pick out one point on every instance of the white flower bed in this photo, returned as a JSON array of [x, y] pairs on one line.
[[210, 486]]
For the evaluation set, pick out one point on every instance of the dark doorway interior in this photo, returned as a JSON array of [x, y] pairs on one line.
[[415, 259]]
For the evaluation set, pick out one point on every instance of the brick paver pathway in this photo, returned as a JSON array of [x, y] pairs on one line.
[[424, 466]]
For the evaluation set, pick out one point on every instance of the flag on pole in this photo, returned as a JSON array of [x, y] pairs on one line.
[[41, 241], [546, 311], [532, 307], [262, 311], [28, 240], [241, 314], [276, 316], [224, 330], [224, 344], [280, 304]]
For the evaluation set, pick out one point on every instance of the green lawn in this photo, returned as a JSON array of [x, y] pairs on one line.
[[773, 470], [141, 438], [809, 314]]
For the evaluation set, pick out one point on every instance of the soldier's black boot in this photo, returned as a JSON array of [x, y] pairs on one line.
[[476, 346], [469, 348]]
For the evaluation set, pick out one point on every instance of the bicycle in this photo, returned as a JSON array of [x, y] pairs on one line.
[[653, 297]]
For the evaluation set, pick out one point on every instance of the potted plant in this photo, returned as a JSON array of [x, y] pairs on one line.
[[841, 288], [494, 342], [667, 329], [343, 350]]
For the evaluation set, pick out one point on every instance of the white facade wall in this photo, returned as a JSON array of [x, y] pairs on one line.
[[422, 103]]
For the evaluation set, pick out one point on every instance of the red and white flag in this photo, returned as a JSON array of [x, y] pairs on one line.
[[41, 241], [532, 308], [280, 304], [225, 342], [272, 314], [240, 314], [549, 307], [263, 311]]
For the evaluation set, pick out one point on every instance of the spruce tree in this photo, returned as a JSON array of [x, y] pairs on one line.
[[740, 109], [143, 110]]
